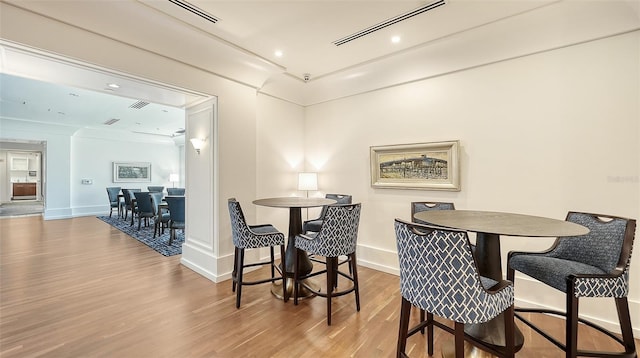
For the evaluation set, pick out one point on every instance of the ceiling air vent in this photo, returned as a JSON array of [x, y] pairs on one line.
[[111, 121], [389, 22], [196, 10], [139, 104]]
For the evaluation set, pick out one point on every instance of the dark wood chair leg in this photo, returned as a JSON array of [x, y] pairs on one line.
[[622, 306], [509, 333], [422, 320], [429, 332], [234, 273], [459, 339], [273, 273], [403, 330], [239, 275], [572, 323], [332, 262], [296, 273], [353, 268]]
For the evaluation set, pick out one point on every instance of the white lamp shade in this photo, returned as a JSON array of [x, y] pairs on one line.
[[308, 181], [197, 143], [174, 177]]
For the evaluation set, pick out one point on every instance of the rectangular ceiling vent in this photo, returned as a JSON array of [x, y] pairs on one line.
[[389, 22], [195, 10], [139, 104], [111, 121]]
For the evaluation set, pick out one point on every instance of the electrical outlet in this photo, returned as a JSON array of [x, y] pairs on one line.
[[87, 181]]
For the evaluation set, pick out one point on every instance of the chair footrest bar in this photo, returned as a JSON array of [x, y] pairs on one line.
[[583, 353]]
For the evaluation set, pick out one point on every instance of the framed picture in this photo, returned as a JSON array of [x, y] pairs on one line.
[[131, 172], [427, 166]]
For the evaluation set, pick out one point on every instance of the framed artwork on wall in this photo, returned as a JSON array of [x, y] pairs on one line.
[[426, 166], [131, 172]]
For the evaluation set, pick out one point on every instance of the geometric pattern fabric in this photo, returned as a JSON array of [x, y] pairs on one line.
[[251, 237], [596, 253], [438, 274], [338, 233]]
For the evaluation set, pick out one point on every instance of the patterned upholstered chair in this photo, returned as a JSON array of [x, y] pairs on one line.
[[176, 215], [438, 274], [114, 200], [314, 224], [144, 207], [253, 237], [337, 237], [592, 265], [419, 206]]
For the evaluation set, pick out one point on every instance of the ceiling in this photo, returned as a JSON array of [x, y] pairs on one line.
[[241, 46]]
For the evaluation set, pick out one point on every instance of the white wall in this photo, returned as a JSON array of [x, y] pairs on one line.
[[92, 157], [280, 156], [57, 158], [540, 135]]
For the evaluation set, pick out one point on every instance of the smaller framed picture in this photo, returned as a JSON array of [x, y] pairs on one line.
[[131, 172], [426, 166]]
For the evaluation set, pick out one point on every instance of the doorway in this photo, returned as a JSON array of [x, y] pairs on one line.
[[21, 177]]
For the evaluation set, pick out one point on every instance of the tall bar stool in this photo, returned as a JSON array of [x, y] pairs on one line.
[[438, 274], [253, 237], [338, 236], [592, 265]]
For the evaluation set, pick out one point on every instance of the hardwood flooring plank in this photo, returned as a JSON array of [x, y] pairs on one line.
[[80, 288]]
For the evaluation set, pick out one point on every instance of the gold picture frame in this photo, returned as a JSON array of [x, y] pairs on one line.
[[422, 166]]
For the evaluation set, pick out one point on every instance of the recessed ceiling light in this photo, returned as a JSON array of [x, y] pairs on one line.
[[395, 39], [278, 53], [113, 85]]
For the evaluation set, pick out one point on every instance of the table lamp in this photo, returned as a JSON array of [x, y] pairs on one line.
[[174, 178], [307, 181]]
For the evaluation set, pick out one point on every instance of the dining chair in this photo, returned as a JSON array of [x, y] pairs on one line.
[[337, 237], [114, 200], [176, 215], [314, 224], [438, 274], [246, 236], [175, 191], [128, 195], [591, 265], [155, 189], [144, 207], [161, 217]]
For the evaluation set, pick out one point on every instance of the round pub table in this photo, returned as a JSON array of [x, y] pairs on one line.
[[295, 205], [489, 226]]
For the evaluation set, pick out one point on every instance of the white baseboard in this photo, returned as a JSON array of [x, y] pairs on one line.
[[55, 214]]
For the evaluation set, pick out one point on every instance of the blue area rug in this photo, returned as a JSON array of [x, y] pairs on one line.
[[145, 235]]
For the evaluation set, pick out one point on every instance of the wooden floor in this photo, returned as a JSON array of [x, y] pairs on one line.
[[80, 288]]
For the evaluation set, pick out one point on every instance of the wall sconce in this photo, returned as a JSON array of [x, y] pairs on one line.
[[197, 144], [174, 178], [307, 181]]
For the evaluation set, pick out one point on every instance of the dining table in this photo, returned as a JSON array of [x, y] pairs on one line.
[[295, 205], [489, 226]]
